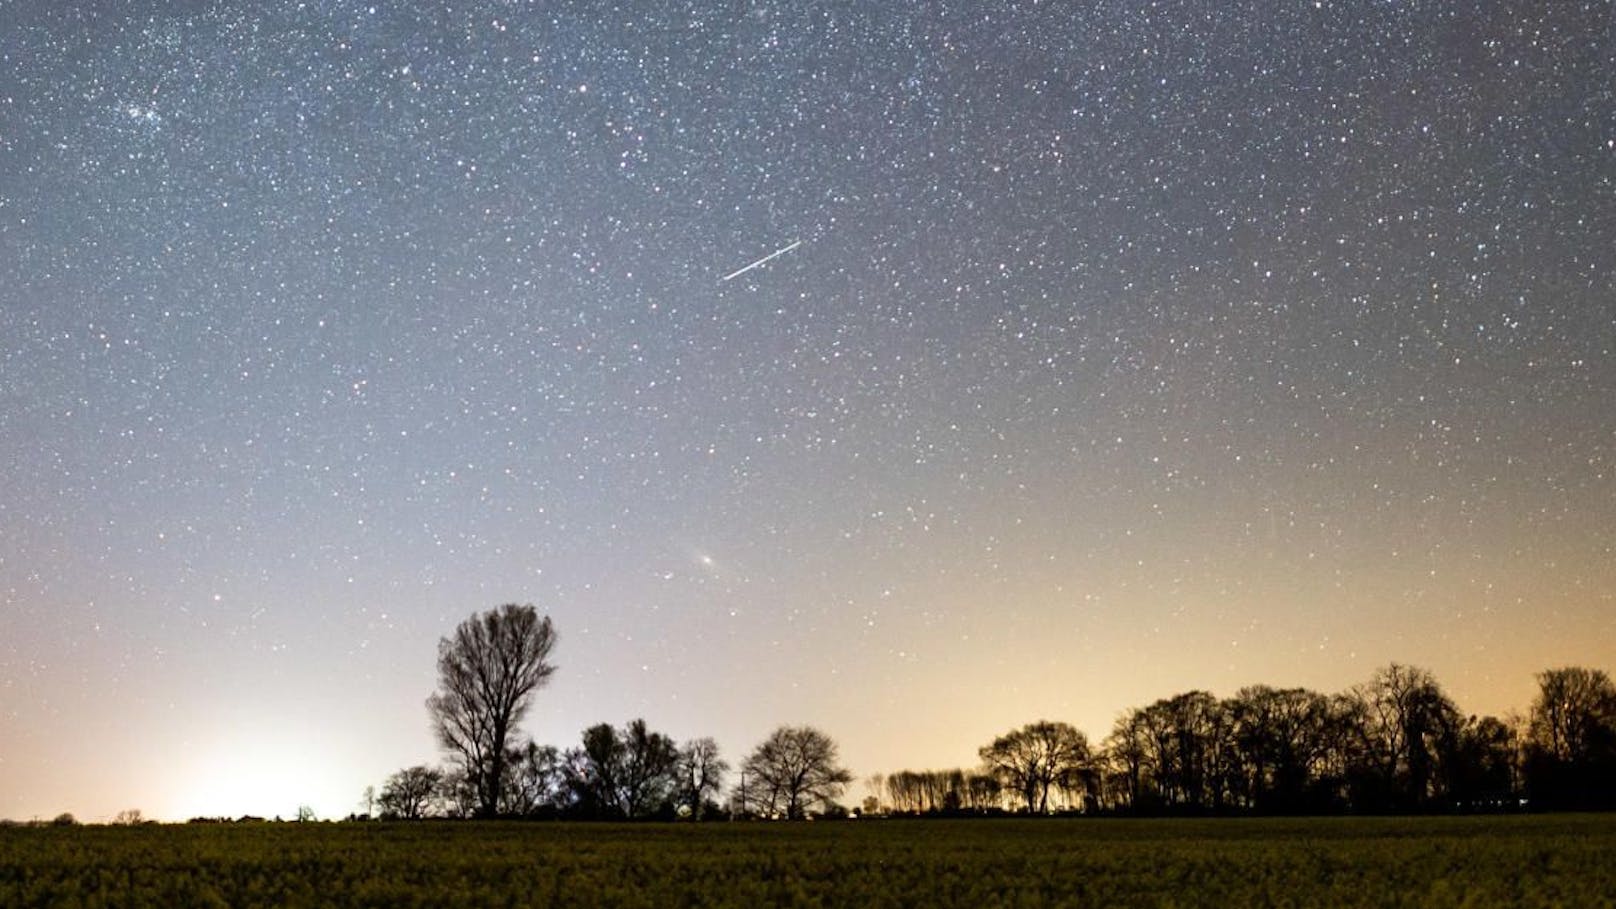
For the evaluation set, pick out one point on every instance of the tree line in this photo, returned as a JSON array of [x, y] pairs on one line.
[[1396, 743]]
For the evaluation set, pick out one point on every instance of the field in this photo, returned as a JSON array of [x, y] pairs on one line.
[[1563, 861]]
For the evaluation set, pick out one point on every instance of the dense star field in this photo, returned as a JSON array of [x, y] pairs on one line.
[[1110, 350]]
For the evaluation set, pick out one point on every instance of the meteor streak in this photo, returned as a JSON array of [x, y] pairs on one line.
[[779, 252]]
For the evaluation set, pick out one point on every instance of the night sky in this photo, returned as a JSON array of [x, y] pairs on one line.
[[1123, 349]]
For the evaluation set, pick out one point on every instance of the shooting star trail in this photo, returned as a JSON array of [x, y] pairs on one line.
[[779, 252]]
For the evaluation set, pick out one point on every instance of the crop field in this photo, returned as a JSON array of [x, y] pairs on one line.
[[1560, 861]]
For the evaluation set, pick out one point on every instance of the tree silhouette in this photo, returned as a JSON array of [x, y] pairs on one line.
[[408, 794], [488, 671], [621, 773], [1126, 772], [456, 796], [792, 771], [1037, 757], [1407, 727], [1571, 740], [650, 762], [1481, 773], [1573, 713], [939, 791], [1280, 736], [1189, 748], [532, 780], [701, 774], [593, 770]]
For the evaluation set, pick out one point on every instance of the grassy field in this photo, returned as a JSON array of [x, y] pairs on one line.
[[1561, 861]]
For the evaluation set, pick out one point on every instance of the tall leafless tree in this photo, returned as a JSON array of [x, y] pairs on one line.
[[488, 671]]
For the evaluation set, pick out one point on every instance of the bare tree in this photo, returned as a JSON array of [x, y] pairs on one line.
[[793, 770], [1574, 713], [904, 791], [1127, 773], [487, 674], [532, 778], [592, 771], [1408, 726], [456, 796], [624, 773], [650, 762], [1280, 736], [1036, 757], [701, 774], [407, 795], [931, 791], [1192, 738], [1571, 740], [983, 792]]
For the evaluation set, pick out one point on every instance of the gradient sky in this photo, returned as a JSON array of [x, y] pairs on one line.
[[1128, 349]]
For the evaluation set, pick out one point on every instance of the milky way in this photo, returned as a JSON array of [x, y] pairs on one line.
[[1128, 348]]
